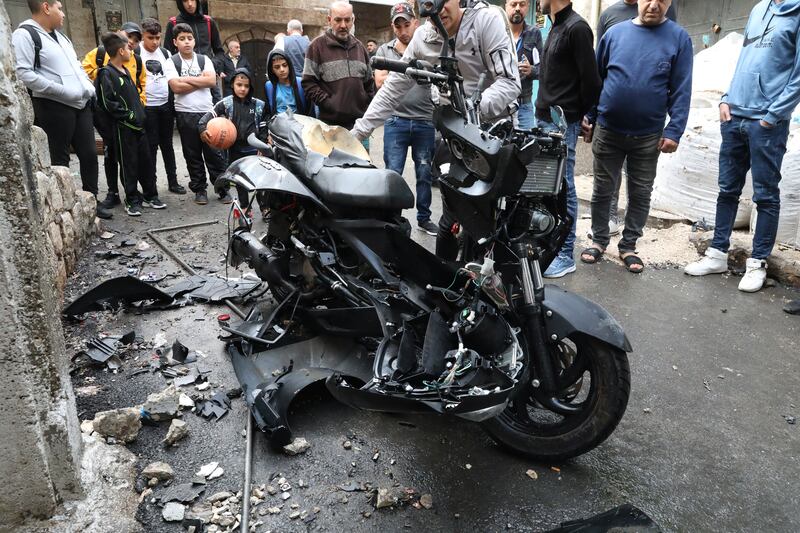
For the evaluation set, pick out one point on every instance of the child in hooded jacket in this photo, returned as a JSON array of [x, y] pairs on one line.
[[246, 112], [284, 88]]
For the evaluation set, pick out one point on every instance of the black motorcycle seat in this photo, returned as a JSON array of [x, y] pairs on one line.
[[374, 188]]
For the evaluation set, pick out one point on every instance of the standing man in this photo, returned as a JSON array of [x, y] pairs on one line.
[[372, 47], [160, 115], [411, 124], [60, 90], [337, 76], [622, 11], [295, 44], [528, 46], [483, 46], [206, 32], [93, 61], [646, 68], [230, 62], [567, 78], [754, 118]]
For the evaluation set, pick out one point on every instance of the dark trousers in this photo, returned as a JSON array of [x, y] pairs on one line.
[[610, 150], [197, 153], [400, 134], [446, 242], [747, 145], [110, 165], [159, 126], [235, 154], [66, 126], [134, 161]]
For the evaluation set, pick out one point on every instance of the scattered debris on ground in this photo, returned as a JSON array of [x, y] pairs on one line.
[[178, 429], [297, 446], [122, 425]]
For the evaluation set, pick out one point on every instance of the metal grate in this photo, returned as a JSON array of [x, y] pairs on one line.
[[544, 177]]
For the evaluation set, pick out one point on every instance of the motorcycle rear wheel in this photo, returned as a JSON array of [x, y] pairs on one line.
[[594, 377]]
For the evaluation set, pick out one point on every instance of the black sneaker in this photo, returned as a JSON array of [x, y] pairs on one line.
[[154, 203], [103, 213], [177, 189], [428, 227], [134, 210], [112, 199], [201, 198], [226, 198]]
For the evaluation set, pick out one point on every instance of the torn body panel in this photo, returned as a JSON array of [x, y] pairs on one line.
[[272, 379]]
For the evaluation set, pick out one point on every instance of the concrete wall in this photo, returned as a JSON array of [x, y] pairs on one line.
[[40, 440]]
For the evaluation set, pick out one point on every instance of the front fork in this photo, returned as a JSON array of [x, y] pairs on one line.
[[540, 348]]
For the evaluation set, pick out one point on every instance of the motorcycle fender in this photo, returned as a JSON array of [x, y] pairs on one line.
[[256, 173], [566, 313]]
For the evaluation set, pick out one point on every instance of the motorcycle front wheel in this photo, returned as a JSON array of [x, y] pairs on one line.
[[594, 378]]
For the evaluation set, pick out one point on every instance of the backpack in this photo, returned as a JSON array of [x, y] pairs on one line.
[[201, 62], [174, 21], [103, 121], [101, 55], [270, 90]]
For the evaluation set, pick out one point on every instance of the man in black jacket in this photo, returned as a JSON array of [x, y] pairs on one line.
[[568, 78], [206, 35], [118, 100], [232, 61]]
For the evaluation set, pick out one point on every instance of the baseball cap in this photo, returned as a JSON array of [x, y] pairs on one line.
[[402, 9], [132, 27]]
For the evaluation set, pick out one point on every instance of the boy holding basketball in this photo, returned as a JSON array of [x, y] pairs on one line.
[[119, 100], [244, 111], [191, 81]]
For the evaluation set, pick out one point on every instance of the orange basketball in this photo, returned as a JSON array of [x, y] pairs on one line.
[[221, 133]]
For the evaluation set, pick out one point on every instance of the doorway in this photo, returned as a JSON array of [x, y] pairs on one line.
[[256, 51]]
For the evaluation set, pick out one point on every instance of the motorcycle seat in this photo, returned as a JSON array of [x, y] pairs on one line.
[[374, 188]]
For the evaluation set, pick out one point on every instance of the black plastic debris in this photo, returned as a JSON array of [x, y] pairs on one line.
[[193, 525], [184, 493], [179, 351], [793, 307], [217, 406], [189, 379], [212, 288], [104, 350], [112, 293], [623, 518]]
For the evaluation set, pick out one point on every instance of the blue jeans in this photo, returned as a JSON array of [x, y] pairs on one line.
[[525, 116], [746, 145], [573, 130], [398, 135]]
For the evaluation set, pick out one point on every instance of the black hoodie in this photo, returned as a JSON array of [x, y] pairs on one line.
[[209, 45], [245, 113], [304, 106]]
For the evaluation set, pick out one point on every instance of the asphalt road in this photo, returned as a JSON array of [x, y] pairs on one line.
[[704, 445]]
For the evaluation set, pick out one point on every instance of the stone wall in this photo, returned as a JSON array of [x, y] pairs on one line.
[[40, 440]]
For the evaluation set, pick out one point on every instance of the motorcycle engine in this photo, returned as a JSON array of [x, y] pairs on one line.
[[531, 218]]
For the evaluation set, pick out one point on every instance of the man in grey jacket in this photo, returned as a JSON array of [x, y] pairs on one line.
[[483, 45], [60, 90]]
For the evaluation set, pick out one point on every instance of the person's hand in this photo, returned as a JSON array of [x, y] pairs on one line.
[[765, 124], [724, 113], [222, 75], [525, 69], [587, 130], [667, 146], [205, 137]]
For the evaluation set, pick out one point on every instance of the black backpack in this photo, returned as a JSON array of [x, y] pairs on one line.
[[103, 121], [176, 60], [101, 55]]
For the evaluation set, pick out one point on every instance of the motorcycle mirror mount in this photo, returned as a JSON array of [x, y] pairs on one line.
[[255, 142]]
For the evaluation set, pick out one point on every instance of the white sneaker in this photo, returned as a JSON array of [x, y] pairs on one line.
[[754, 276], [714, 262], [614, 227]]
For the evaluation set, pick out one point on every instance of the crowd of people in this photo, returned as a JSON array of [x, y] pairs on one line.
[[625, 88]]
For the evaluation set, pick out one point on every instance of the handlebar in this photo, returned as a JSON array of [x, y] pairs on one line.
[[393, 65]]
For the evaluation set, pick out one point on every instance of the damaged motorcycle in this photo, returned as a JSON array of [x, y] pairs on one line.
[[390, 327]]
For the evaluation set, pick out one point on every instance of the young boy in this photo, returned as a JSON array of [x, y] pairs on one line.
[[284, 89], [246, 113], [119, 99], [92, 62], [191, 81], [160, 115]]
